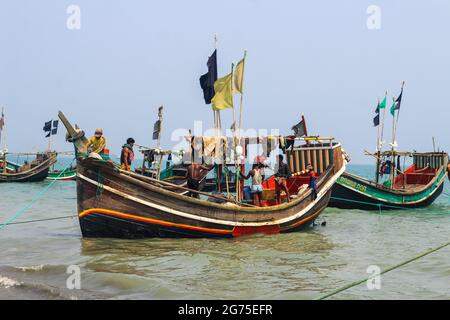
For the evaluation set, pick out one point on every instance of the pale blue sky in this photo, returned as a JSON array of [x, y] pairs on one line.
[[312, 57]]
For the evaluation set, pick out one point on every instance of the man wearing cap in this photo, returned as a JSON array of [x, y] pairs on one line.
[[127, 155], [97, 143]]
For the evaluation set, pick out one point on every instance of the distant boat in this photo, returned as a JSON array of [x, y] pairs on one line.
[[68, 175], [417, 186], [34, 171]]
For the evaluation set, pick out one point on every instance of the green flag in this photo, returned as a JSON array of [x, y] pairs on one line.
[[382, 105], [393, 107]]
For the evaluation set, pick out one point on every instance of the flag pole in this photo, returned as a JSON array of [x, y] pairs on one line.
[[398, 113], [392, 147], [242, 92], [160, 118], [50, 135], [382, 124], [215, 113], [4, 151], [378, 146], [394, 132]]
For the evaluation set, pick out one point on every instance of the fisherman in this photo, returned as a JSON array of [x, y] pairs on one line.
[[281, 177], [97, 143], [127, 155], [312, 179], [194, 177], [257, 179]]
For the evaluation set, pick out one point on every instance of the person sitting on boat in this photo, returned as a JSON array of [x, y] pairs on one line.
[[257, 179], [281, 177], [194, 177], [127, 155], [97, 143]]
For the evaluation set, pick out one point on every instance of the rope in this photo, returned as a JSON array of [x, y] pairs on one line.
[[356, 283], [35, 199], [379, 205], [40, 220]]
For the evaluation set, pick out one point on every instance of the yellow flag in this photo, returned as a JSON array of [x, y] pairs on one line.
[[223, 88], [239, 76]]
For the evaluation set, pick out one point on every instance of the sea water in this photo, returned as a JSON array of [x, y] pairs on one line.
[[39, 260]]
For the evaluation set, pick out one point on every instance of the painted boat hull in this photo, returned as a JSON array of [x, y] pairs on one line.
[[115, 204], [353, 192], [67, 176]]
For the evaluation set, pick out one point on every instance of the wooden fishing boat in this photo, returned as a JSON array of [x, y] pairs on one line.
[[119, 204], [68, 175], [417, 186], [36, 170]]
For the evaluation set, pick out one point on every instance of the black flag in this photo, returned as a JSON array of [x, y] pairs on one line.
[[51, 128], [398, 101], [47, 126], [376, 120], [156, 130], [207, 80], [299, 129], [55, 127]]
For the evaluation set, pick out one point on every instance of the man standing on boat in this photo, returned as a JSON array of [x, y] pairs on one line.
[[127, 155], [257, 179], [97, 143], [194, 177], [281, 177]]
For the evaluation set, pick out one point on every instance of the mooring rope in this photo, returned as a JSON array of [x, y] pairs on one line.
[[356, 283], [40, 220], [34, 200]]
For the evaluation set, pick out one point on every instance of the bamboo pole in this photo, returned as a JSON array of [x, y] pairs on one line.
[[160, 118]]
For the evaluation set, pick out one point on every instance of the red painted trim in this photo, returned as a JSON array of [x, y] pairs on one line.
[[152, 221], [240, 231]]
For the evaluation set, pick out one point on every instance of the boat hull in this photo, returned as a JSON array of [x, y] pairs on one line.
[[36, 174], [352, 192], [114, 205], [67, 176]]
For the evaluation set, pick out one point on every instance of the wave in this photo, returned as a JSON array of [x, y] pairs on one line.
[[6, 282]]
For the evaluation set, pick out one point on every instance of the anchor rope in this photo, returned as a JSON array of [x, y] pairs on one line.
[[40, 220], [356, 283], [20, 212]]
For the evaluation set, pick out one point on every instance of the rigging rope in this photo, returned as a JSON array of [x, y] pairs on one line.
[[34, 200], [356, 283]]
